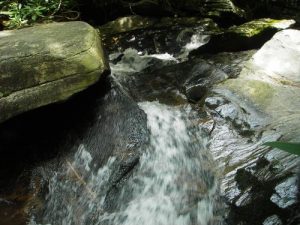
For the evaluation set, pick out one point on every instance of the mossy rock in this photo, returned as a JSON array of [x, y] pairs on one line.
[[270, 81], [251, 35], [258, 92], [47, 64]]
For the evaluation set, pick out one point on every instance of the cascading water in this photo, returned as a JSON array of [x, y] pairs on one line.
[[174, 183]]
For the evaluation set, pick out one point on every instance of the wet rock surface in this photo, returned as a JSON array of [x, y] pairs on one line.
[[256, 178], [154, 36], [238, 100], [91, 133]]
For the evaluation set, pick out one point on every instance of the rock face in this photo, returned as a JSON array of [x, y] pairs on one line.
[[260, 105], [271, 80], [46, 64]]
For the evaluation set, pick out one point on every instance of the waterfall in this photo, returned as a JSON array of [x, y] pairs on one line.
[[174, 182]]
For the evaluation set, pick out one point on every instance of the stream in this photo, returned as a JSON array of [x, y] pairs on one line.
[[172, 177], [147, 152]]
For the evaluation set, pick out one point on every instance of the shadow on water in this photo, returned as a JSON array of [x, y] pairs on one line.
[[33, 138]]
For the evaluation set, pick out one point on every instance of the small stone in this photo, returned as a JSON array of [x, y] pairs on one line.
[[244, 199], [214, 102], [272, 220], [286, 193]]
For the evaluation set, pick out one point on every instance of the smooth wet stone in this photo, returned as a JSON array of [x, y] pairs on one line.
[[200, 77], [243, 200], [214, 102], [47, 64], [281, 56], [273, 91], [272, 220], [230, 63], [255, 176], [286, 193]]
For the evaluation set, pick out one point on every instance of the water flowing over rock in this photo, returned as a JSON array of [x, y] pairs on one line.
[[176, 139], [159, 35], [47, 64]]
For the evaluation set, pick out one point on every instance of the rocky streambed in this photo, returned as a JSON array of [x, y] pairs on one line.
[[174, 136]]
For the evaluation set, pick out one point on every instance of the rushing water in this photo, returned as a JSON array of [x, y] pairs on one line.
[[174, 183]]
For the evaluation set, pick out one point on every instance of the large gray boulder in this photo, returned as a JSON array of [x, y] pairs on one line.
[[260, 105], [47, 64], [271, 81]]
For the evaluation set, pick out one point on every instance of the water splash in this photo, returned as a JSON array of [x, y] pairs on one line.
[[76, 193], [175, 183], [133, 61]]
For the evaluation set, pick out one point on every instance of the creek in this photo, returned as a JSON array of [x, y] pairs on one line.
[[155, 148]]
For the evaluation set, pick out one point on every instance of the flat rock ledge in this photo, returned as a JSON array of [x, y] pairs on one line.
[[46, 64]]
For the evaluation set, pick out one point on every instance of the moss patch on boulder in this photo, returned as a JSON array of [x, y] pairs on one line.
[[251, 35], [46, 64]]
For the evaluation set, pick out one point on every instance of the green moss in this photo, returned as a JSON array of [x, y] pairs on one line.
[[256, 27], [258, 92]]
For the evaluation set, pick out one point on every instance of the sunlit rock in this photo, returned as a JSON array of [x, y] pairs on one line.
[[251, 35], [281, 56], [270, 80], [46, 64], [286, 193], [272, 220], [264, 95]]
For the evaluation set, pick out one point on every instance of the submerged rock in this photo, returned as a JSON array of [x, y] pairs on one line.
[[46, 64], [251, 35]]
